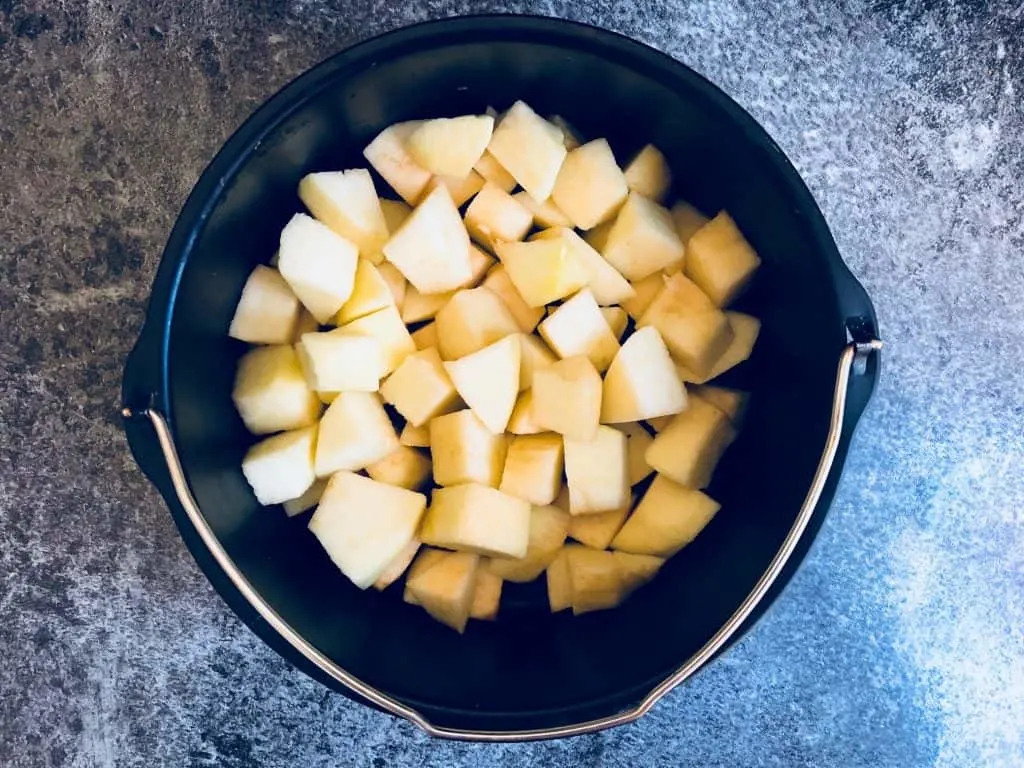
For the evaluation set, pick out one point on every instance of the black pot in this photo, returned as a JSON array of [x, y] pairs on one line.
[[530, 674]]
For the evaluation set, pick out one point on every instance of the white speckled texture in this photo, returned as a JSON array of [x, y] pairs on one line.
[[900, 642]]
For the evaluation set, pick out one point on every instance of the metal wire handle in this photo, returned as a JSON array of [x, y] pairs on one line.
[[851, 354]]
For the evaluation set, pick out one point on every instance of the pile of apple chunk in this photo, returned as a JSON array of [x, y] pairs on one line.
[[539, 389]]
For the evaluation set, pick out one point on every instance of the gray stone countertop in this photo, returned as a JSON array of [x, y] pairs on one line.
[[900, 642]]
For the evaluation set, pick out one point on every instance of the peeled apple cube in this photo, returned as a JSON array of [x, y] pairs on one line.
[[477, 518], [597, 237], [395, 213], [530, 149], [597, 530], [567, 398], [354, 433], [280, 468], [461, 188], [637, 570], [495, 216], [731, 402], [370, 293], [534, 354], [648, 173], [406, 468], [486, 595], [577, 327], [306, 324], [590, 187], [347, 202], [500, 284], [533, 468], [687, 220], [446, 587], [386, 326], [415, 437], [418, 307], [695, 331], [398, 565], [491, 170], [667, 519], [420, 388], [396, 282], [471, 320], [388, 156], [596, 581], [720, 260], [545, 214], [637, 441], [607, 285], [426, 559], [364, 525], [318, 264], [425, 337], [597, 472], [267, 310], [521, 421], [466, 451], [271, 392], [558, 582], [431, 249], [687, 450], [643, 240], [745, 330], [644, 292], [617, 320], [307, 500], [542, 271], [488, 381], [338, 361], [450, 146], [480, 263], [548, 526], [642, 382]]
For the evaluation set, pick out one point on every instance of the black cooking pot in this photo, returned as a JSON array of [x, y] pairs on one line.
[[530, 674]]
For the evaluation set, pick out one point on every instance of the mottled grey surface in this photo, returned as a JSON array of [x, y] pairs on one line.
[[899, 644]]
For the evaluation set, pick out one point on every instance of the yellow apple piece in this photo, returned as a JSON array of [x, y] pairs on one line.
[[461, 188], [450, 146], [648, 173], [558, 582], [396, 283], [545, 214], [542, 271], [339, 361], [567, 398], [590, 187], [687, 220], [492, 171], [687, 450], [431, 249], [745, 330], [667, 519], [637, 441], [426, 558], [418, 307], [521, 421], [306, 324], [720, 260], [347, 202], [534, 354], [355, 432], [425, 337], [495, 216], [267, 310], [597, 472], [420, 388], [607, 285], [477, 518], [370, 293], [318, 264], [488, 381], [637, 570], [577, 327], [642, 382], [388, 156], [446, 587], [397, 566], [533, 468], [280, 468], [731, 402], [595, 580], [696, 332], [500, 284], [364, 525], [597, 530], [548, 527], [415, 437], [307, 500], [405, 467], [395, 213], [386, 326], [271, 393], [643, 240], [486, 595], [471, 320], [480, 263], [617, 320], [597, 237], [464, 450], [530, 149], [644, 292]]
